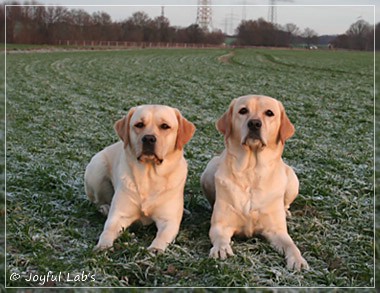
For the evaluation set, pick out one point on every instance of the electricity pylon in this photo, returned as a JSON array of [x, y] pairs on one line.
[[204, 14]]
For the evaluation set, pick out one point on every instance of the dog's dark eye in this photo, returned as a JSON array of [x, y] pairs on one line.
[[243, 111], [269, 113], [164, 126], [139, 125]]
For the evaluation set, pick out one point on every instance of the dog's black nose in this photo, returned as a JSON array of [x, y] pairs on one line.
[[149, 139], [254, 124]]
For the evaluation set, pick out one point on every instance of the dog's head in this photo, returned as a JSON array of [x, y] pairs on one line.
[[256, 122], [153, 132]]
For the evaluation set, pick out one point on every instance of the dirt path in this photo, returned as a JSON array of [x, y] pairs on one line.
[[226, 58]]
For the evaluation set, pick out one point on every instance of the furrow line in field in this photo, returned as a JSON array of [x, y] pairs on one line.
[[275, 60], [193, 59], [67, 68], [31, 69]]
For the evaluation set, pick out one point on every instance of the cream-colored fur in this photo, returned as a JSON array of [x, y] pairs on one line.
[[130, 183], [249, 185]]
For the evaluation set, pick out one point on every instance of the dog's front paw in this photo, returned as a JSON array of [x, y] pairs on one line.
[[221, 251], [103, 245], [104, 209], [297, 263], [158, 246], [155, 250]]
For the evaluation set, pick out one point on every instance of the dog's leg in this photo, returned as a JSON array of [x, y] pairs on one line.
[[208, 180], [167, 230], [285, 245], [291, 191], [98, 185], [223, 221], [114, 225], [112, 230], [220, 238]]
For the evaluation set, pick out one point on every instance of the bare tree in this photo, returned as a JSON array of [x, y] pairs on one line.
[[135, 28], [162, 27], [261, 33], [293, 31], [359, 34], [195, 34], [311, 37], [56, 18], [102, 27]]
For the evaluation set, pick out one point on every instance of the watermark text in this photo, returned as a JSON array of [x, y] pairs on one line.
[[51, 277]]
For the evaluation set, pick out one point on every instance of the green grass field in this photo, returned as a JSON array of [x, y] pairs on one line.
[[61, 107]]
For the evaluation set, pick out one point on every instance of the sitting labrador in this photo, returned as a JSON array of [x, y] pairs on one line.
[[142, 177], [249, 185]]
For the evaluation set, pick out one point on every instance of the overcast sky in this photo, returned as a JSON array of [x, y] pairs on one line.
[[323, 16]]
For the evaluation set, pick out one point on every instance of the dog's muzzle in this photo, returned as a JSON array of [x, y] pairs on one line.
[[148, 153], [254, 133]]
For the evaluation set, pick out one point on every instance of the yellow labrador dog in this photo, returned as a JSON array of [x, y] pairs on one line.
[[249, 185], [142, 177]]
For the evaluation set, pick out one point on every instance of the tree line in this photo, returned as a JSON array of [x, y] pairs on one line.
[[51, 24], [262, 33], [48, 25], [359, 36]]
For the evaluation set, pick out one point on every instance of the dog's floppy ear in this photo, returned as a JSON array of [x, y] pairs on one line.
[[286, 128], [122, 126], [224, 124], [185, 131]]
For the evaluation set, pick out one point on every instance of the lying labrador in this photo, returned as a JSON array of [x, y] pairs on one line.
[[142, 177], [249, 185]]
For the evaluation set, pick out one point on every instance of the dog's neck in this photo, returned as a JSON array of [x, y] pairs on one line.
[[148, 178], [244, 158], [167, 165]]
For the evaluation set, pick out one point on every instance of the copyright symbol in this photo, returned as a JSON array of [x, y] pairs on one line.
[[14, 277]]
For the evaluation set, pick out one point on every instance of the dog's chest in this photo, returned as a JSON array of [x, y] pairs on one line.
[[142, 181], [142, 189], [258, 188], [252, 202], [147, 193], [255, 206]]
